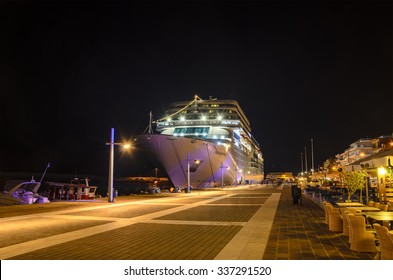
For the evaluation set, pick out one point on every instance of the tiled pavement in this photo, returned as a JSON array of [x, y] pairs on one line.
[[299, 233], [256, 222]]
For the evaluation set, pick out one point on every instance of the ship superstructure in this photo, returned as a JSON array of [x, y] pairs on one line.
[[206, 143]]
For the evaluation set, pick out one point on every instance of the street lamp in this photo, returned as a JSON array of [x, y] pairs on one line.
[[312, 156], [187, 190], [381, 183], [222, 174], [111, 160]]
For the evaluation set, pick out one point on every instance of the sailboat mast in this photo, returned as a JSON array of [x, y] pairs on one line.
[[42, 177]]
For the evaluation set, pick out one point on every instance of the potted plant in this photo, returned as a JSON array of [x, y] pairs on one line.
[[353, 181]]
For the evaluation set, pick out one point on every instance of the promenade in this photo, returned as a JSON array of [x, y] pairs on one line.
[[244, 223]]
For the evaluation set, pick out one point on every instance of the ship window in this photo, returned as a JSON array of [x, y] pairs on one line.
[[191, 130]]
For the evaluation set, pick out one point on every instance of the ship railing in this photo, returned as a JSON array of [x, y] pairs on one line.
[[193, 122]]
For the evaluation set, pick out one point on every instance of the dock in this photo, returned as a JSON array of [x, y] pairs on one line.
[[252, 222]]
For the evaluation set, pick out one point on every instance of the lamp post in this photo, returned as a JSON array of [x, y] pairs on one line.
[[111, 160], [305, 157], [188, 172], [301, 161], [367, 179], [312, 156], [381, 184], [222, 174], [195, 165]]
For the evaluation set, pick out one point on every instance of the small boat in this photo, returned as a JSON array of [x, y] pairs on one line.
[[22, 193], [77, 189], [17, 192]]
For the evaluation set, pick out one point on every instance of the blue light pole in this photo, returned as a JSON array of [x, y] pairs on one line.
[[188, 172], [222, 174], [111, 160]]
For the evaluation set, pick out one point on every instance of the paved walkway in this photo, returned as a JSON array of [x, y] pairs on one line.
[[300, 233], [252, 222]]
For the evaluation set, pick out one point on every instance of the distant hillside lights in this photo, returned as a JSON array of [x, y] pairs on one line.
[[355, 156], [373, 156], [363, 148]]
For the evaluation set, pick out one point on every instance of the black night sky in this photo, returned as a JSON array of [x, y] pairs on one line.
[[69, 71]]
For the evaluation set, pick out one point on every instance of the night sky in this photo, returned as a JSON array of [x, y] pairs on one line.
[[70, 71]]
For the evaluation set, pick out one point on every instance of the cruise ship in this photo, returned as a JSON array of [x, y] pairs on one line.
[[205, 143]]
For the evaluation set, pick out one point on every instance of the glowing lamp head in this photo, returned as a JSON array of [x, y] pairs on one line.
[[381, 171]]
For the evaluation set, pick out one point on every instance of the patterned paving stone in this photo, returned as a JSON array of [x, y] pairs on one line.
[[17, 210], [299, 232], [214, 213], [143, 241], [126, 211], [241, 200], [31, 229], [247, 194]]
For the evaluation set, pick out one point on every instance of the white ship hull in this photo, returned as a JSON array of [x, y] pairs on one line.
[[211, 165]]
